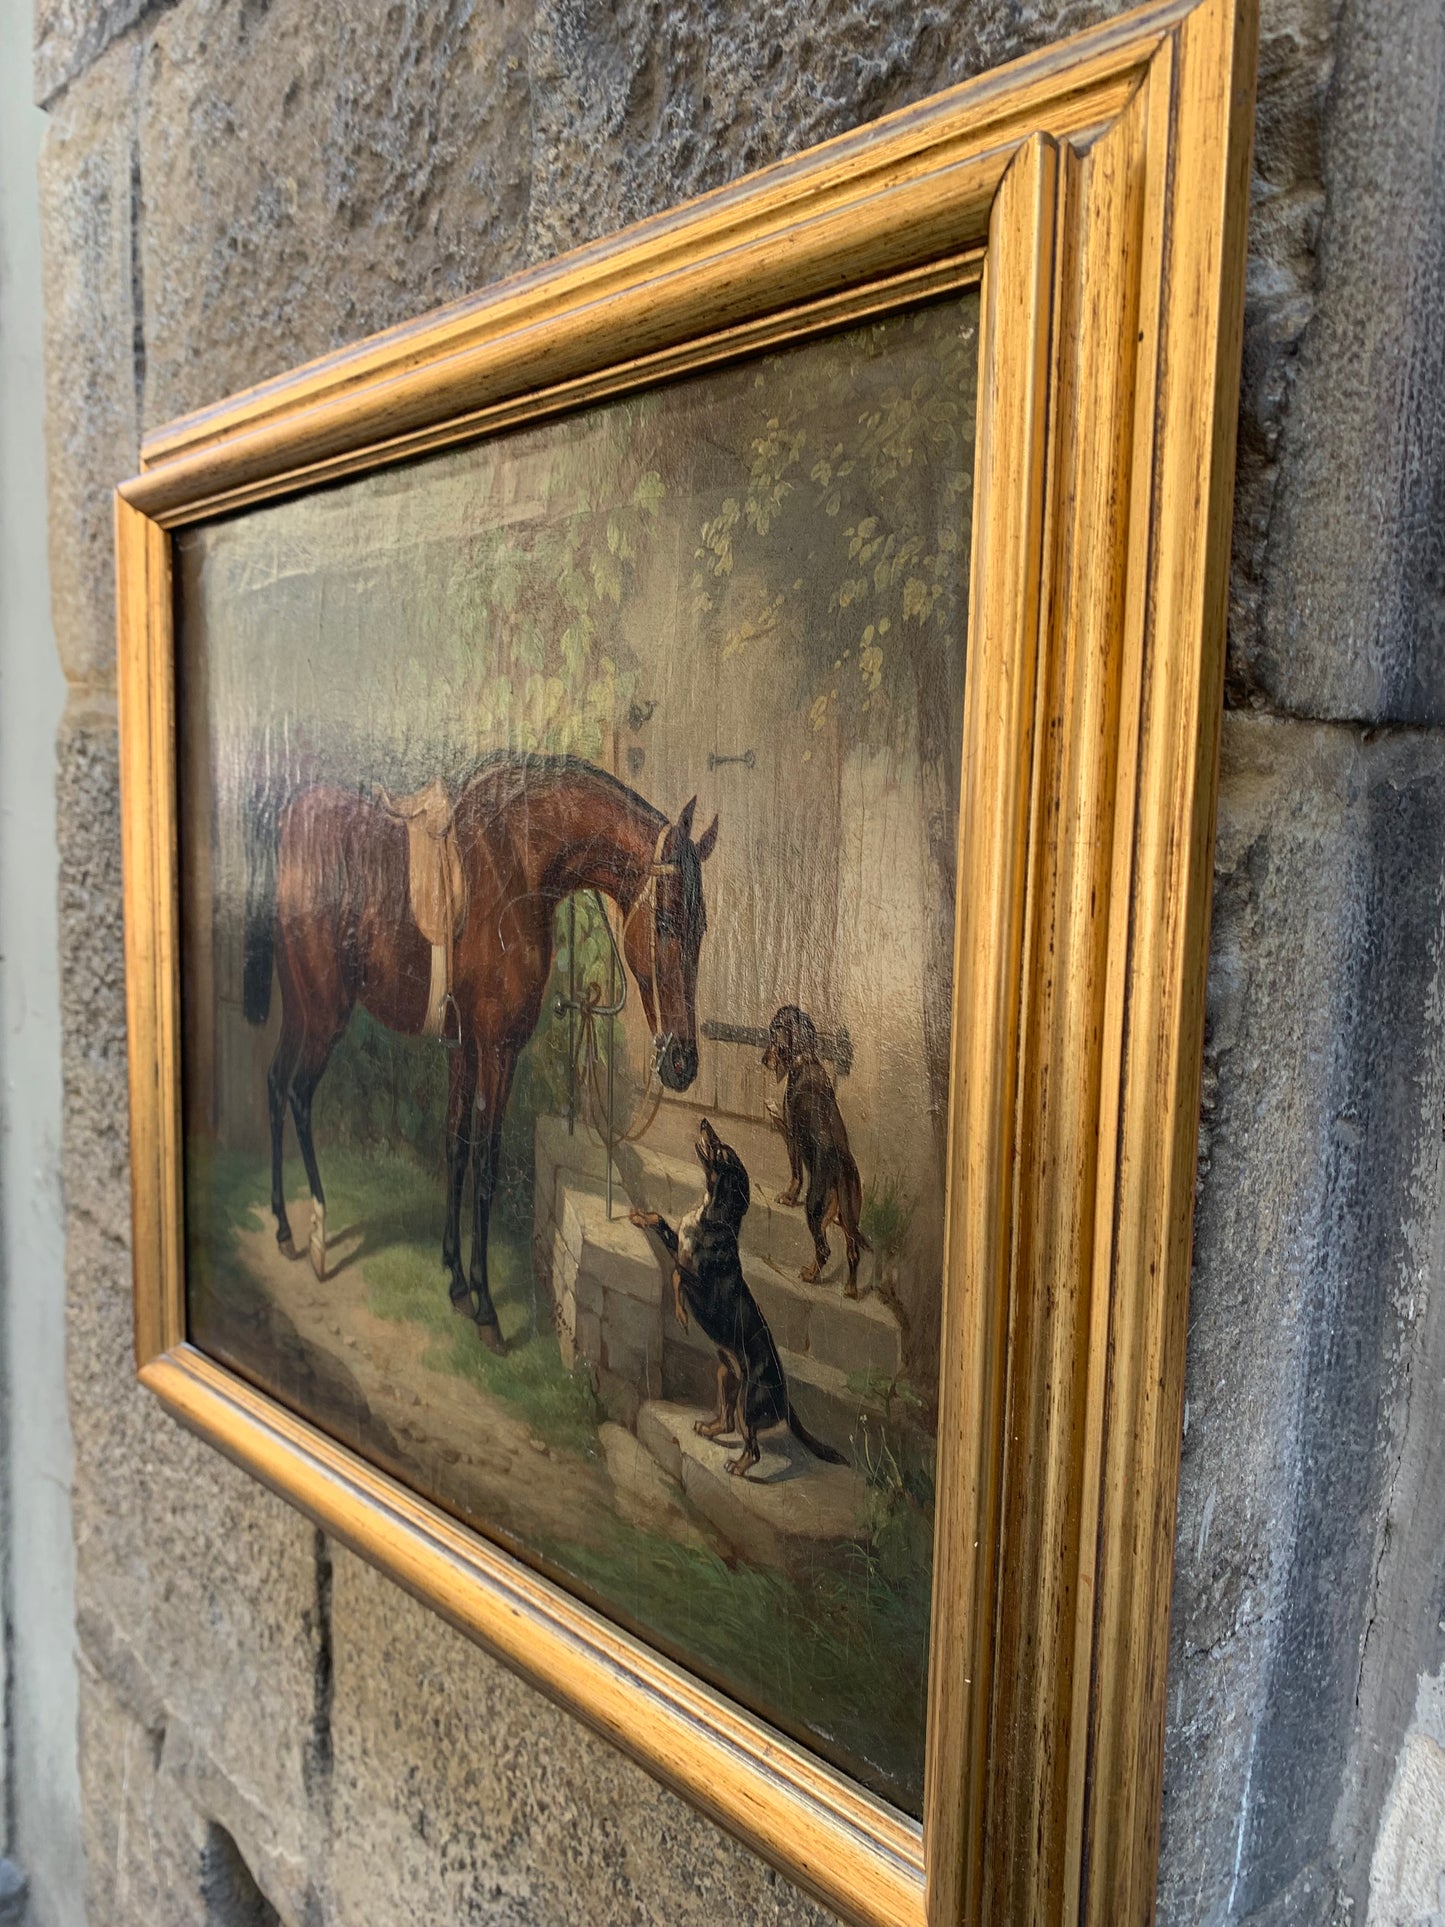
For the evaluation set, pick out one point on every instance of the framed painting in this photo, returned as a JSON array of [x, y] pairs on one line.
[[667, 819]]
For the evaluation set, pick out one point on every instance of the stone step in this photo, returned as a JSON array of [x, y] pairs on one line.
[[790, 1510], [614, 1310], [829, 1402], [858, 1336], [661, 1174]]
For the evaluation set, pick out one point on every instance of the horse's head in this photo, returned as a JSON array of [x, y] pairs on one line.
[[662, 939]]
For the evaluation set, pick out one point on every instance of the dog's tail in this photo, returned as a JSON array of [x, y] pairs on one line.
[[815, 1446]]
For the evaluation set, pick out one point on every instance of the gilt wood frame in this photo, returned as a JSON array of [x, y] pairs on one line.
[[1099, 189]]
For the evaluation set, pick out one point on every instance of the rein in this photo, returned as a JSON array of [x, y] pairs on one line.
[[587, 1055]]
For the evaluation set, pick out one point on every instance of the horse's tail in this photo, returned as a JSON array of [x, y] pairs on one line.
[[258, 940], [814, 1445]]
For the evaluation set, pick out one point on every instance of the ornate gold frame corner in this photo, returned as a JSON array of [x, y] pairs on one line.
[[1100, 190]]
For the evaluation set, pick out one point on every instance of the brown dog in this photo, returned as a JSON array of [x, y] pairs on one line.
[[817, 1141]]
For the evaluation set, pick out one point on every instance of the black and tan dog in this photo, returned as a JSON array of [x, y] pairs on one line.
[[817, 1141], [708, 1284]]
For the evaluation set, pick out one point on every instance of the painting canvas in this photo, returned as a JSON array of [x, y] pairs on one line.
[[568, 834]]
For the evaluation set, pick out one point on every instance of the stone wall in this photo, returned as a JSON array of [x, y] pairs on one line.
[[229, 188]]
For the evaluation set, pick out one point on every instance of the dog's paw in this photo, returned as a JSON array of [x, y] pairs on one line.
[[644, 1220], [788, 1197]]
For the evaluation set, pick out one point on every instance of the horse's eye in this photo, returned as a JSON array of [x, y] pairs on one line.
[[666, 927]]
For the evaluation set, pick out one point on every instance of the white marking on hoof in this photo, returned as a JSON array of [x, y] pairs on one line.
[[318, 1238]]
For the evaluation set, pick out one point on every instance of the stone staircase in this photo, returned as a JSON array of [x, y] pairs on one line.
[[613, 1298]]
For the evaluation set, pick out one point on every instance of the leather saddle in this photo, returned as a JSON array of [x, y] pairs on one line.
[[436, 882], [436, 885]]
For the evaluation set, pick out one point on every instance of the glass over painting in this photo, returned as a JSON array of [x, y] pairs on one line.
[[568, 842]]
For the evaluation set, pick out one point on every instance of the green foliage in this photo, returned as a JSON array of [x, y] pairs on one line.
[[890, 1392], [860, 477], [384, 1092], [541, 598], [887, 1215]]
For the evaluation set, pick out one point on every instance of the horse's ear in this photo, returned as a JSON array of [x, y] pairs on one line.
[[684, 820], [707, 842]]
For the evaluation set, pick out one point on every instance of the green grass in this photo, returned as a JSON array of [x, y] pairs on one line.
[[848, 1650], [840, 1655], [397, 1208], [886, 1215]]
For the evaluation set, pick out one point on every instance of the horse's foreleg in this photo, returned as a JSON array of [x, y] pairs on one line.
[[461, 1091], [494, 1085]]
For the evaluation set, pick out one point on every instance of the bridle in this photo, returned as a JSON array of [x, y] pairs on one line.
[[648, 895], [590, 1008]]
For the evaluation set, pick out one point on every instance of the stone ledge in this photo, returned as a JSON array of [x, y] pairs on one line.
[[761, 1513]]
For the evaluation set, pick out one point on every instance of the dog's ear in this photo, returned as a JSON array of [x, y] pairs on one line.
[[707, 842], [684, 819]]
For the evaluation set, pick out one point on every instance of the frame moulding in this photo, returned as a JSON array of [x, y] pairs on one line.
[[1099, 188]]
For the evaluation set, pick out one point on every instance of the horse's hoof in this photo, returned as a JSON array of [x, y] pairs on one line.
[[491, 1337], [316, 1244], [286, 1245]]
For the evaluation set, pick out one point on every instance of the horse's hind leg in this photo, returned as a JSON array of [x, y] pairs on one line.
[[461, 1093], [303, 1088], [278, 1088]]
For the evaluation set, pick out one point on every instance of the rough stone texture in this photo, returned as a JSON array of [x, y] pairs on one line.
[[1352, 602], [277, 141], [93, 402], [1323, 1011], [13, 1890], [230, 189], [70, 34]]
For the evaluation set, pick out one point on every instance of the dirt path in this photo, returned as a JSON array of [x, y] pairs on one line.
[[468, 1449]]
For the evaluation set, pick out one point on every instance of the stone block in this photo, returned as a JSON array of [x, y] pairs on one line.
[[459, 1793], [625, 1360], [626, 1322], [564, 1270], [689, 1369], [1323, 1087], [305, 183], [790, 1511], [1338, 612], [855, 1335], [95, 1155], [787, 1309], [641, 110], [622, 1262], [620, 1397], [71, 35], [589, 1336], [94, 361]]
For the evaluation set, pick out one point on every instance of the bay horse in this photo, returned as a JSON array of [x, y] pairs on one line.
[[328, 902]]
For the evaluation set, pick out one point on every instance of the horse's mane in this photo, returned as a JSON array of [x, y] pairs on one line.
[[532, 771]]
